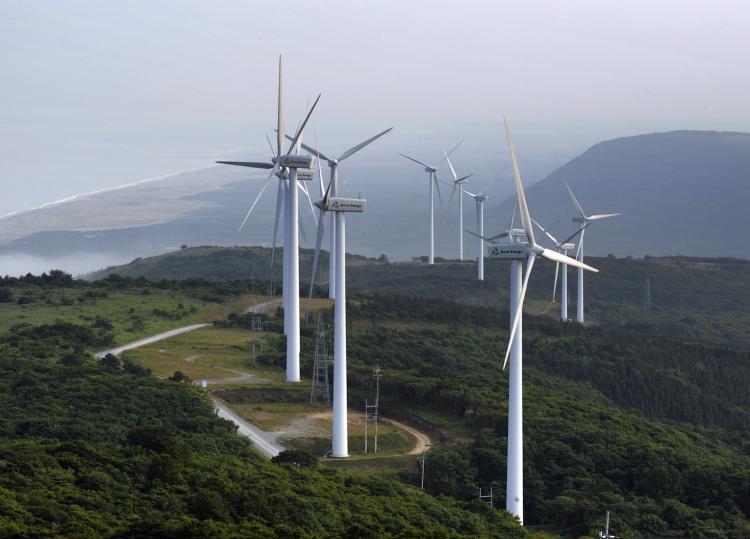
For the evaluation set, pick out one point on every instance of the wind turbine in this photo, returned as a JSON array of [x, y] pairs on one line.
[[433, 183], [458, 185], [562, 247], [583, 219], [285, 167], [334, 187], [523, 246], [339, 206]]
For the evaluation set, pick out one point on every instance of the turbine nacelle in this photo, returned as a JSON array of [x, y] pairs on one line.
[[304, 174], [296, 161], [342, 204], [509, 251], [568, 246]]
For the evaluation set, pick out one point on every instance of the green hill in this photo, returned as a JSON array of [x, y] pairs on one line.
[[680, 192], [691, 297]]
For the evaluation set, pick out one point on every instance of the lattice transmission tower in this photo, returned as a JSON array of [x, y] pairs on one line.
[[489, 499], [320, 389], [371, 410], [647, 304]]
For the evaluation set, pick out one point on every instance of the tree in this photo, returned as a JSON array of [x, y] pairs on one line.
[[110, 361], [6, 295], [296, 457]]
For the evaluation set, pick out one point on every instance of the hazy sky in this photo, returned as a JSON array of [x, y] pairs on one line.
[[95, 94]]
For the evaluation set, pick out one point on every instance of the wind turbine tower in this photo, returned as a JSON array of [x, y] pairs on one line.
[[458, 185], [340, 207], [333, 164], [583, 220], [431, 171], [522, 247], [562, 247], [285, 167]]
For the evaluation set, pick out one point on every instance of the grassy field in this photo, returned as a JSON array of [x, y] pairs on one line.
[[133, 314], [258, 392]]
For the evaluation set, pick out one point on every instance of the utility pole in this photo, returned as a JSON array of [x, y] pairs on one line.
[[257, 331], [489, 499], [372, 410], [604, 534], [320, 388], [421, 461]]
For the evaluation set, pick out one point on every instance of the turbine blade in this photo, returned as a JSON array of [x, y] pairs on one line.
[[310, 149], [603, 216], [250, 164], [361, 145], [270, 176], [498, 236], [320, 169], [437, 188], [519, 309], [453, 192], [303, 188], [559, 257], [550, 236], [574, 234], [554, 287], [450, 152], [279, 201], [273, 152], [522, 206], [301, 128], [318, 243], [417, 161], [280, 116], [301, 230], [577, 204], [497, 177], [580, 243], [513, 215], [450, 165]]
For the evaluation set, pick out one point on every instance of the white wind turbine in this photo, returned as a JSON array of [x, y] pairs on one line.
[[458, 185], [562, 247], [433, 182], [583, 219], [524, 247], [339, 206], [334, 187], [285, 167]]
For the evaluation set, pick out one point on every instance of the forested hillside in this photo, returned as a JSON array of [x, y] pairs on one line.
[[653, 429], [101, 449], [704, 298]]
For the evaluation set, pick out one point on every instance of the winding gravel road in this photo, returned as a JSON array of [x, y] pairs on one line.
[[148, 340]]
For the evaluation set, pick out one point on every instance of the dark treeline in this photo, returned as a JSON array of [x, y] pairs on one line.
[[647, 427]]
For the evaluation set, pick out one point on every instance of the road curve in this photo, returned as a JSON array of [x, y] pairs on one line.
[[148, 340], [261, 441]]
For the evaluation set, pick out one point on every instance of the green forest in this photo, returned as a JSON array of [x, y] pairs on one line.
[[635, 417], [104, 449]]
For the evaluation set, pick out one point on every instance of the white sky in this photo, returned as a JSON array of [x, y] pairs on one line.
[[95, 94]]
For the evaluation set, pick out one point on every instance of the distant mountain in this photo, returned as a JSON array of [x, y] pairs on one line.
[[680, 192]]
